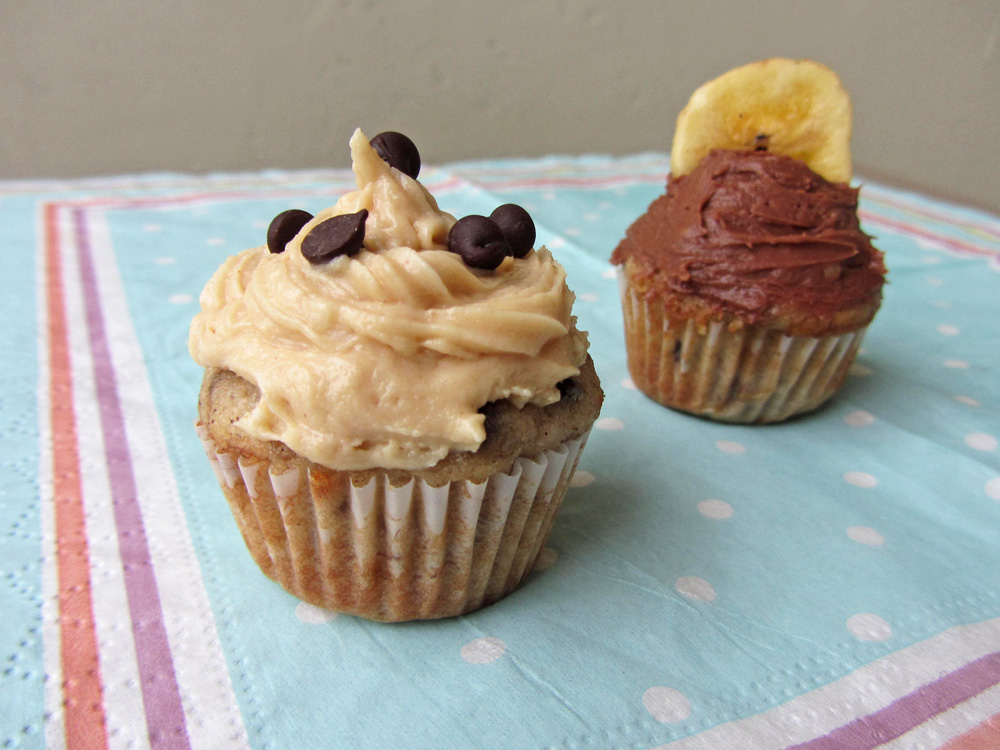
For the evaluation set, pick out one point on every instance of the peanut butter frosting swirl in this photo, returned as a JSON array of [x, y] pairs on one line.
[[384, 359]]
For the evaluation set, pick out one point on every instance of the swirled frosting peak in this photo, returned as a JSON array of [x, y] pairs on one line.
[[385, 357]]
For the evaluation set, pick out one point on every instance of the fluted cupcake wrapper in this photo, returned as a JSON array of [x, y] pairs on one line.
[[749, 375], [395, 553]]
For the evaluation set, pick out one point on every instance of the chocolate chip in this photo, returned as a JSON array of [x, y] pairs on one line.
[[338, 235], [517, 227], [479, 241], [569, 389], [399, 151], [284, 227]]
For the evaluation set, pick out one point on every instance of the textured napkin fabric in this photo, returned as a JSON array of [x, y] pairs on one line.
[[829, 582]]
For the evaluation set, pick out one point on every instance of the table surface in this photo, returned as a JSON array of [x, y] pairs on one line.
[[829, 582]]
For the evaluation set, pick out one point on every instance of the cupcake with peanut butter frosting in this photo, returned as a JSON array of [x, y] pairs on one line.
[[748, 286], [394, 401]]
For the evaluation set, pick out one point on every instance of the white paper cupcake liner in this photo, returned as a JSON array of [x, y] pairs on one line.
[[395, 553], [751, 375]]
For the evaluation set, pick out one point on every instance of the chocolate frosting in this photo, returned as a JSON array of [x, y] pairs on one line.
[[753, 233]]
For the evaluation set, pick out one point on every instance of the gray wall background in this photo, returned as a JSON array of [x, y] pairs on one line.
[[104, 87]]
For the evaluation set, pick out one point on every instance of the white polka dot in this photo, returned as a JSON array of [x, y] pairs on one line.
[[556, 243], [967, 400], [956, 364], [483, 650], [942, 304], [589, 297], [199, 211], [259, 224], [868, 627], [717, 510], [859, 418], [980, 441], [152, 227], [992, 488], [934, 281], [312, 615], [865, 535], [582, 478], [548, 195], [216, 241], [609, 273], [728, 446], [666, 705], [931, 260], [605, 205], [546, 559], [590, 217], [609, 423], [860, 370], [860, 479], [571, 232], [695, 588], [180, 299], [628, 384], [165, 261], [620, 191], [948, 330]]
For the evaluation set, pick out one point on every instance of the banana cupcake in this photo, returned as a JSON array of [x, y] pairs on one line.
[[748, 286], [394, 401]]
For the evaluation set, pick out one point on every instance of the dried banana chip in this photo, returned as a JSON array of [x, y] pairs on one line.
[[794, 107]]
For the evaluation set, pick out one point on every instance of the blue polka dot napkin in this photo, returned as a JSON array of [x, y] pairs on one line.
[[828, 582]]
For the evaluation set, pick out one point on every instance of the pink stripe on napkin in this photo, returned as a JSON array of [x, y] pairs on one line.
[[912, 710]]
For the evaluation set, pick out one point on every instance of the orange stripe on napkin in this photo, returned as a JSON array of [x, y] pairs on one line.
[[984, 737], [83, 699]]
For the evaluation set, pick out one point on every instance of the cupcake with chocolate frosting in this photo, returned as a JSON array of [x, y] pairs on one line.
[[748, 286], [394, 401]]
